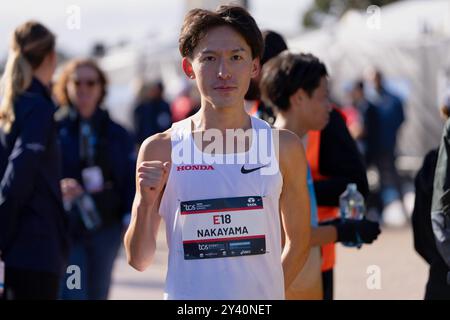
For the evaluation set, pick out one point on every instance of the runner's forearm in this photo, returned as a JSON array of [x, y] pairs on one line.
[[140, 238], [322, 235], [293, 260]]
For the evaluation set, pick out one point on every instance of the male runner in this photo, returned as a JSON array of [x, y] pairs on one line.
[[234, 230], [297, 86]]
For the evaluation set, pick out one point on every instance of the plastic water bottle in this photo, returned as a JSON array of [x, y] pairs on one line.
[[351, 203]]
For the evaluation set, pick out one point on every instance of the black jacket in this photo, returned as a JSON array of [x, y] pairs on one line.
[[114, 154], [424, 241], [440, 212], [33, 227], [151, 117], [340, 161]]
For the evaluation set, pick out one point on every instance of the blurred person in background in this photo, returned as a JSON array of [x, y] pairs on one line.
[[33, 226], [152, 114], [186, 104], [356, 115], [424, 240], [98, 169], [274, 44], [384, 118]]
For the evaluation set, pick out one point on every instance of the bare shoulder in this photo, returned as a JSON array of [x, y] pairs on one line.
[[156, 147], [287, 141], [288, 138], [291, 151]]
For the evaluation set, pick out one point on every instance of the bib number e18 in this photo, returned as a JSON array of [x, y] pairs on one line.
[[226, 227]]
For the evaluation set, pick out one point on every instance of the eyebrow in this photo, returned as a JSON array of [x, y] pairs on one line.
[[208, 51]]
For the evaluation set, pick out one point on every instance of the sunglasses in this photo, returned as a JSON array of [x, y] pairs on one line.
[[88, 83]]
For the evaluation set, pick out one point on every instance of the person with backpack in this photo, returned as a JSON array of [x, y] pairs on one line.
[[33, 224]]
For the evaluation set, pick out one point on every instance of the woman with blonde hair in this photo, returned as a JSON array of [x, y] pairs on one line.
[[33, 231]]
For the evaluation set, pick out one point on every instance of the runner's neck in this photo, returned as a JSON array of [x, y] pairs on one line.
[[284, 121], [209, 117]]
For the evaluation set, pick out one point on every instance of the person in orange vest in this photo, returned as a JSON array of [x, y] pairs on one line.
[[297, 86]]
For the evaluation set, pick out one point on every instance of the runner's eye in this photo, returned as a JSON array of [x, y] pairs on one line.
[[209, 58]]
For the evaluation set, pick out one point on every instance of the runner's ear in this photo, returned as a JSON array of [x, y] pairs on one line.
[[256, 68], [296, 98], [187, 68]]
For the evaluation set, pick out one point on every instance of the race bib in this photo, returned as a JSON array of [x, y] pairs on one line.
[[226, 227]]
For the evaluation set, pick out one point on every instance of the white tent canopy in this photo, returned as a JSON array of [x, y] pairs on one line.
[[410, 42], [153, 58]]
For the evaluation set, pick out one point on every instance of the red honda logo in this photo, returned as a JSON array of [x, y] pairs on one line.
[[195, 167]]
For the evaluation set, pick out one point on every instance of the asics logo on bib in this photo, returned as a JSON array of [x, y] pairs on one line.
[[195, 168]]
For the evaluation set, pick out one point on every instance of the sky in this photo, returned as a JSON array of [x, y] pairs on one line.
[[112, 21]]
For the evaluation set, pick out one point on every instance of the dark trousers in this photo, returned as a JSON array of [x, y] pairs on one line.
[[94, 255], [327, 283], [437, 287], [22, 284], [390, 180]]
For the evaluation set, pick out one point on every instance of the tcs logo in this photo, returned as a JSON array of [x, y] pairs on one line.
[[189, 207]]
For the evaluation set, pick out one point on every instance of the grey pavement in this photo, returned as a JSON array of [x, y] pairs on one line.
[[387, 269]]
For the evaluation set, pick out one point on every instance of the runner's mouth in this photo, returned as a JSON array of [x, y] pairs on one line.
[[225, 88]]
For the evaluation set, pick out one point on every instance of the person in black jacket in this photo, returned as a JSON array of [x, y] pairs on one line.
[[33, 225], [424, 242], [98, 171], [274, 44], [339, 160], [434, 246], [341, 163]]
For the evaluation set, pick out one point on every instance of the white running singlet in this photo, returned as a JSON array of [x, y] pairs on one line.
[[223, 222]]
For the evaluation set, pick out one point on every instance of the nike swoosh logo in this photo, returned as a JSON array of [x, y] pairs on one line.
[[246, 171]]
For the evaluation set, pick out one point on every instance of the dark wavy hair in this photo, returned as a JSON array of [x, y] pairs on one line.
[[198, 22], [284, 74]]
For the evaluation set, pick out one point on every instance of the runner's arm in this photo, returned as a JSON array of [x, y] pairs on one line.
[[294, 205], [322, 235], [140, 238]]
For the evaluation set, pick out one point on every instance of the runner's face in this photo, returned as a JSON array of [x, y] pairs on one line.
[[222, 65], [316, 109]]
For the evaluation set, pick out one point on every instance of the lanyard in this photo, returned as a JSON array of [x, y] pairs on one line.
[[87, 143]]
